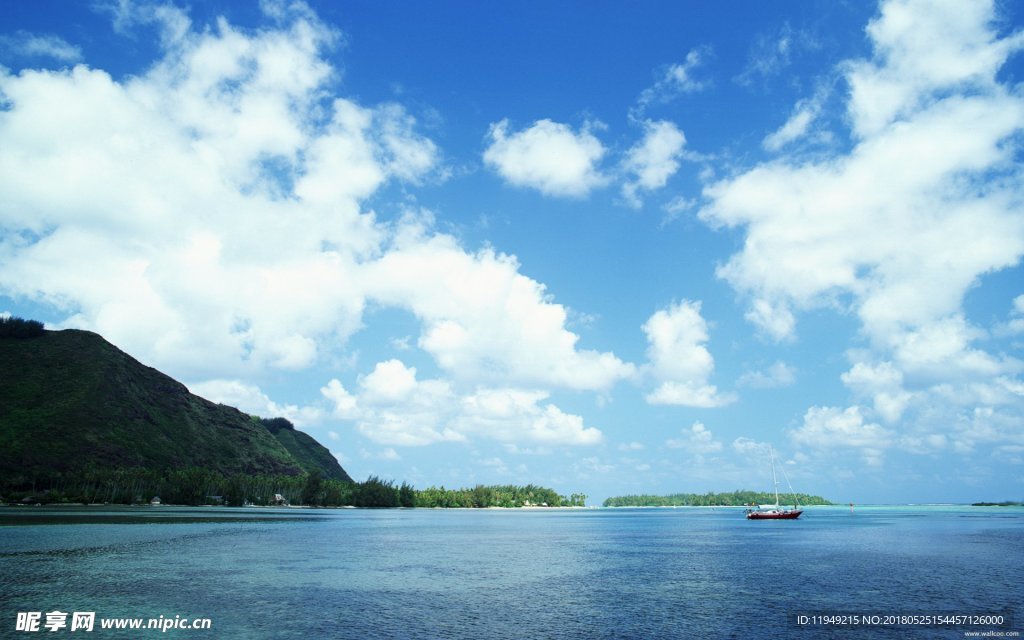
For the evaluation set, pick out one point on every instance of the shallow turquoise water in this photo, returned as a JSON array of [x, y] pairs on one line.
[[601, 573]]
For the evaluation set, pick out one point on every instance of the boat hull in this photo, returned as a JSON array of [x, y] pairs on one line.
[[774, 515]]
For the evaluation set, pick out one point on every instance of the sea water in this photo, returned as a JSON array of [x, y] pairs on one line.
[[576, 573]]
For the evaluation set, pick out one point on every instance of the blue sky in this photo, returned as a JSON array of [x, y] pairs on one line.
[[609, 248]]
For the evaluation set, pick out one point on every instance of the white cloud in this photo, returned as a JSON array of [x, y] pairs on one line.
[[250, 399], [771, 53], [1015, 324], [495, 463], [398, 409], [129, 192], [746, 446], [513, 415], [653, 160], [344, 405], [30, 45], [905, 222], [679, 361], [698, 440], [483, 321], [831, 427], [389, 382], [772, 318], [779, 374], [548, 156], [800, 120], [942, 348], [591, 465], [900, 226], [924, 444], [172, 22], [883, 383], [207, 217], [794, 128], [672, 81], [387, 454], [394, 407], [987, 425], [923, 50], [679, 204]]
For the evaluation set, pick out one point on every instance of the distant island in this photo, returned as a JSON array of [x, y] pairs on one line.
[[733, 499], [1005, 503], [83, 422]]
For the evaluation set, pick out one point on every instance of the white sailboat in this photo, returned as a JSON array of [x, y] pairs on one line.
[[775, 512]]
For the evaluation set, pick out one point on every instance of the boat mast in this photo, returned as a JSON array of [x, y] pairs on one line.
[[791, 492], [775, 478]]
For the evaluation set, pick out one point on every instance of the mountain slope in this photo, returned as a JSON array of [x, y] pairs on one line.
[[309, 453], [70, 400]]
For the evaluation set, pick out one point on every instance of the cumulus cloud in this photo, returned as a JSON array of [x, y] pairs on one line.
[[653, 160], [679, 361], [394, 407], [901, 225], [207, 215], [698, 440], [251, 399], [344, 405], [904, 222], [548, 156], [924, 51], [883, 383], [827, 428], [483, 321], [398, 409], [152, 208], [989, 426], [513, 414]]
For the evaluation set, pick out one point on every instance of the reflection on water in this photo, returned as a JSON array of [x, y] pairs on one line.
[[148, 514]]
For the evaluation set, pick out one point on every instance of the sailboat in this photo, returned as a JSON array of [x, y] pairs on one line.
[[775, 512]]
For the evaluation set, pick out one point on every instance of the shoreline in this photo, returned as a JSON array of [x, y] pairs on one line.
[[280, 506], [855, 506]]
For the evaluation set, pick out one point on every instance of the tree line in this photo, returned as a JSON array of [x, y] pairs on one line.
[[710, 499], [197, 486], [509, 496], [15, 327]]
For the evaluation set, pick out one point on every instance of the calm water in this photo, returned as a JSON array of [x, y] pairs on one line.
[[601, 573]]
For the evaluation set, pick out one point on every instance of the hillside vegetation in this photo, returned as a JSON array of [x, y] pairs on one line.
[[82, 421], [71, 402]]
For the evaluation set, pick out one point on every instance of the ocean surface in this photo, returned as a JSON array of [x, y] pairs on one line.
[[575, 573]]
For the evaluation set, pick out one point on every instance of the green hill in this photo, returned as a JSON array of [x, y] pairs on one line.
[[310, 454], [70, 400]]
